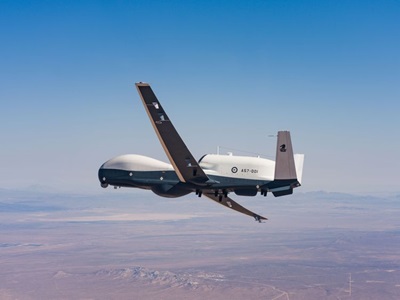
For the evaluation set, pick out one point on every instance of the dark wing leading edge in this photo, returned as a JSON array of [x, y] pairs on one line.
[[228, 202], [186, 167]]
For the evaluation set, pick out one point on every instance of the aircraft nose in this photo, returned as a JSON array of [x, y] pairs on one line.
[[103, 177]]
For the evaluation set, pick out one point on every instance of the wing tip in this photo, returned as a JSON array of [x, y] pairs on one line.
[[259, 218], [140, 83]]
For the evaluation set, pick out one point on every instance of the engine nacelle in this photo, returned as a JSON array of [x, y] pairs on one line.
[[238, 166]]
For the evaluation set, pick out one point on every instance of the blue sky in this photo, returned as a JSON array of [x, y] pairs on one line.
[[228, 73]]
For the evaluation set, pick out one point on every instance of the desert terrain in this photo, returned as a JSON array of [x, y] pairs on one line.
[[128, 244]]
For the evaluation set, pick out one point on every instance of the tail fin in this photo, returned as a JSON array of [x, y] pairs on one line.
[[288, 167], [284, 166]]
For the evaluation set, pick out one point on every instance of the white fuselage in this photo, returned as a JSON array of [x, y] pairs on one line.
[[243, 167]]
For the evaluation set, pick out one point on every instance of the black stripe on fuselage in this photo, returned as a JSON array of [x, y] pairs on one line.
[[148, 179]]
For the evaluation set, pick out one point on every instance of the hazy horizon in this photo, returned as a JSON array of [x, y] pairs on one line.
[[121, 245]]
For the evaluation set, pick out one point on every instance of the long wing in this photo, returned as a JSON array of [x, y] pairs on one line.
[[186, 167], [228, 202]]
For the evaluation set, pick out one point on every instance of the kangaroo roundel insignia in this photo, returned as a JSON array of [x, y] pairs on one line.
[[234, 170]]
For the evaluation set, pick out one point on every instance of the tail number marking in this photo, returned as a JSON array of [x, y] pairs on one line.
[[253, 171]]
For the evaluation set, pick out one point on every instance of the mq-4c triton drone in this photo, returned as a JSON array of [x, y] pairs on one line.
[[213, 176]]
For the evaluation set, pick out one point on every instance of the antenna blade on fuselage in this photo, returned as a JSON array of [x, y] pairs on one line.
[[228, 202], [186, 167]]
